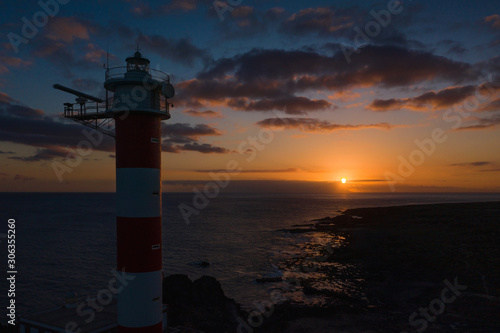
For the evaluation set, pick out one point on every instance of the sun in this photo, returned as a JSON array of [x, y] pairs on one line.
[[343, 180]]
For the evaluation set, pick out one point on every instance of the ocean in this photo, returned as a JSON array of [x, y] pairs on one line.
[[66, 242]]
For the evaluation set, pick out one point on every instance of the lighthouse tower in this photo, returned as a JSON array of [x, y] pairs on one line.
[[137, 114], [138, 105]]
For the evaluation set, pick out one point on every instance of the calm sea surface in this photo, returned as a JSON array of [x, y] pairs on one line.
[[66, 242]]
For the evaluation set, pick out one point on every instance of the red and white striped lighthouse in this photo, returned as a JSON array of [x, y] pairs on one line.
[[137, 113], [139, 104]]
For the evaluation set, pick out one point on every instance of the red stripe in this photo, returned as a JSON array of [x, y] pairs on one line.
[[134, 148], [136, 237], [149, 329]]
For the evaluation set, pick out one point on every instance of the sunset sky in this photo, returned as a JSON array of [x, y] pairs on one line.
[[392, 95]]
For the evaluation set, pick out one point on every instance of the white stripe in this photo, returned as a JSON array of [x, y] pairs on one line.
[[138, 192], [139, 303]]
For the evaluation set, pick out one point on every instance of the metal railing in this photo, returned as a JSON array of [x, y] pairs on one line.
[[119, 72], [98, 109], [76, 109]]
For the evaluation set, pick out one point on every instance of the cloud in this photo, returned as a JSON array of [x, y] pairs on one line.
[[67, 57], [209, 114], [249, 171], [471, 164], [68, 29], [314, 125], [184, 137], [242, 11], [322, 21], [65, 42], [204, 148], [452, 47], [10, 62], [25, 125], [492, 106], [170, 148], [44, 154], [477, 166], [493, 21], [23, 178], [266, 79], [94, 54], [7, 152], [482, 123], [184, 5], [142, 9], [183, 133], [441, 99], [179, 50], [235, 23], [290, 105]]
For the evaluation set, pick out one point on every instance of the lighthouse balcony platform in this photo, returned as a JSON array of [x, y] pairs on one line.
[[100, 116]]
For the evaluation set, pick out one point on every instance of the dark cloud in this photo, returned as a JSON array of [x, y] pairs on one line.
[[345, 24], [250, 171], [7, 152], [204, 148], [262, 79], [322, 21], [452, 47], [184, 137], [386, 104], [290, 105], [20, 124], [169, 147], [24, 125], [482, 123], [184, 133], [472, 164], [478, 166], [179, 50], [315, 125], [44, 154], [441, 99], [204, 114], [23, 178], [492, 106]]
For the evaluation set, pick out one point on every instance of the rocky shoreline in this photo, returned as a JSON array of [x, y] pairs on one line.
[[407, 258], [393, 269]]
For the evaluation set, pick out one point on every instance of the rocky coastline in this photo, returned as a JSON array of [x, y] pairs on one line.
[[392, 269]]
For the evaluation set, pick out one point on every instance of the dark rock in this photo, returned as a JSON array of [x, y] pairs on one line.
[[207, 290], [201, 304], [200, 263]]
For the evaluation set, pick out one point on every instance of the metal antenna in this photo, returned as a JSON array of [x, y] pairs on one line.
[[107, 54]]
